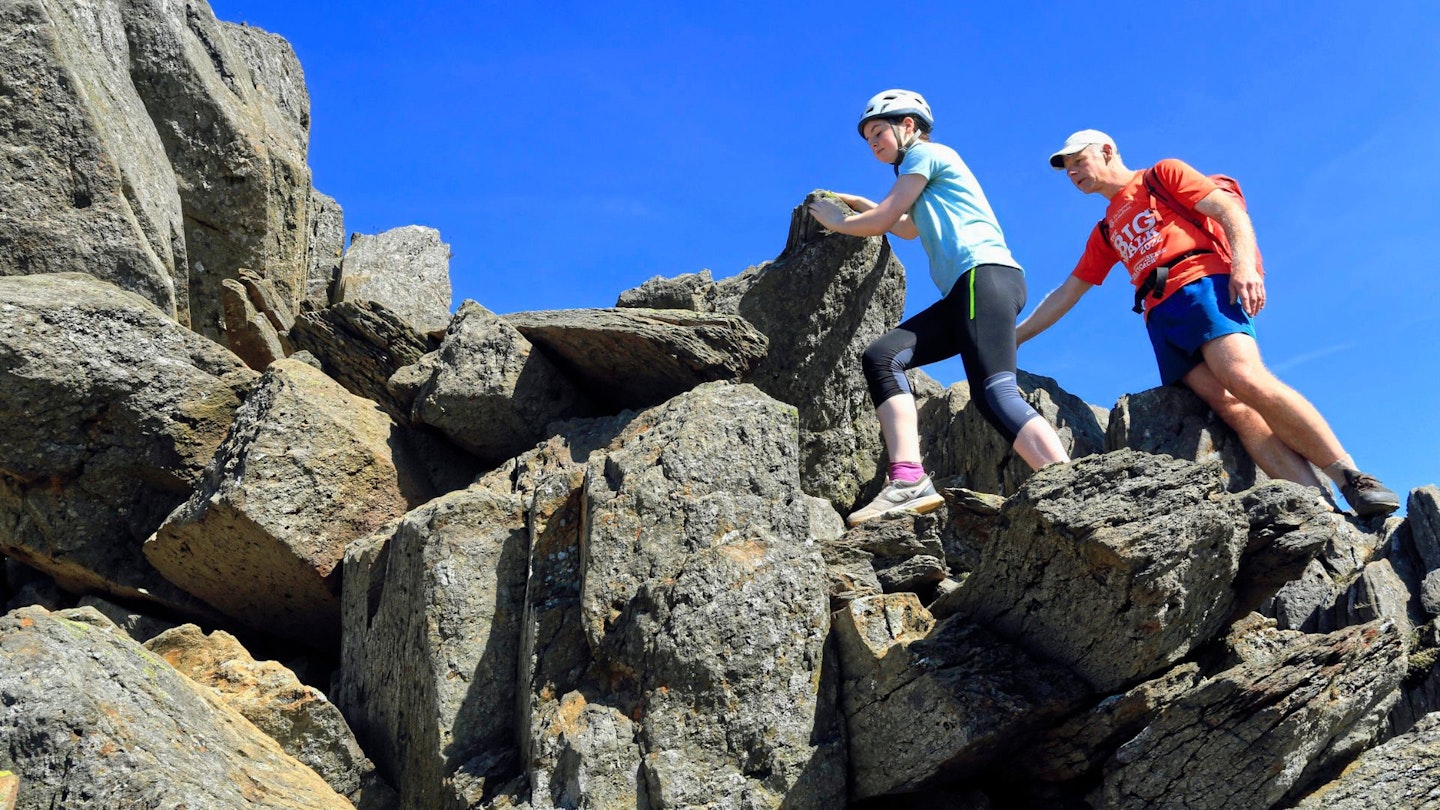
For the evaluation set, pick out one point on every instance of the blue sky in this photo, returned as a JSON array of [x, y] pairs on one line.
[[569, 151]]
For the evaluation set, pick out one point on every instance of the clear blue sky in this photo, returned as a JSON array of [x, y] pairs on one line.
[[569, 151]]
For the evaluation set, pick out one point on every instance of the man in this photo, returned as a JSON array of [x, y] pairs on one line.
[[1201, 285]]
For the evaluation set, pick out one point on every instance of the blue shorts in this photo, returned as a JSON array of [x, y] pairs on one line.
[[1192, 316]]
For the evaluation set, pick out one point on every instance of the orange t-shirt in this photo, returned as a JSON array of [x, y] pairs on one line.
[[1142, 236]]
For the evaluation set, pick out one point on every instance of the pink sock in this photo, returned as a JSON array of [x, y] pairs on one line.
[[906, 472]]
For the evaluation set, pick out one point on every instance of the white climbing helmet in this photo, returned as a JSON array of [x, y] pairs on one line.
[[895, 103]]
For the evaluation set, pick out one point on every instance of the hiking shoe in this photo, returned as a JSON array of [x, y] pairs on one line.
[[1367, 496], [897, 496]]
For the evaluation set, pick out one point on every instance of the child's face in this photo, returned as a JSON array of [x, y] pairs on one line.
[[880, 135]]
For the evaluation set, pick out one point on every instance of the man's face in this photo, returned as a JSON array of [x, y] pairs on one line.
[[1084, 167]]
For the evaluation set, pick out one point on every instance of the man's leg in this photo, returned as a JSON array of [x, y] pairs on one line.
[[1265, 449]]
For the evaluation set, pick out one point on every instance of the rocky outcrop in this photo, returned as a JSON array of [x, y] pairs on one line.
[[306, 469], [85, 184], [361, 346], [634, 358], [231, 108], [487, 389], [107, 724], [1400, 773], [298, 717], [109, 411], [326, 248], [1173, 421], [406, 269]]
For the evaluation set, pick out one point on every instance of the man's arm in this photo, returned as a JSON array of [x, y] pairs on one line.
[[1246, 284], [1050, 310], [885, 216]]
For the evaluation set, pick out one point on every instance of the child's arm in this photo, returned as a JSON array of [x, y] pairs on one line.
[[905, 228], [887, 215]]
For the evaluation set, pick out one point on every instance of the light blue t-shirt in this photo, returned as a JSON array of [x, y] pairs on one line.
[[957, 226]]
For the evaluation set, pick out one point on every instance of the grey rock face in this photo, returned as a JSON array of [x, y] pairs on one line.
[[299, 717], [85, 185], [248, 334], [957, 441], [406, 269], [1173, 421], [432, 611], [924, 704], [307, 469], [819, 304], [634, 358], [1422, 511], [96, 722], [231, 109], [361, 346], [326, 247], [700, 591], [487, 389], [1403, 772], [109, 411], [1140, 545], [1250, 734]]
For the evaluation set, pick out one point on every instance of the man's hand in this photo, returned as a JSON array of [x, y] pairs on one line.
[[827, 212], [1248, 288]]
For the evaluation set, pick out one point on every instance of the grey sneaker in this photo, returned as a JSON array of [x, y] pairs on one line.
[[918, 497], [1367, 496]]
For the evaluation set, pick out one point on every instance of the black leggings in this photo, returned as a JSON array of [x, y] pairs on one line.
[[976, 321]]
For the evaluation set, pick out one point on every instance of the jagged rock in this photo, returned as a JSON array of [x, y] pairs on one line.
[[850, 572], [326, 245], [1248, 735], [957, 441], [299, 717], [1310, 600], [1141, 546], [1289, 525], [248, 334], [232, 111], [1430, 593], [306, 469], [1422, 510], [138, 626], [269, 303], [94, 720], [1403, 772], [634, 358], [700, 590], [406, 269], [693, 291], [924, 704], [597, 763], [905, 550], [1080, 746], [1172, 420], [361, 346], [109, 411], [973, 516], [85, 185], [1377, 594], [820, 303], [432, 610], [486, 388]]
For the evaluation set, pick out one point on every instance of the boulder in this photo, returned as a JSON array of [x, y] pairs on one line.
[[406, 269], [248, 333], [819, 304], [230, 104], [1293, 706], [487, 389], [137, 625], [958, 443], [925, 704], [1143, 547], [431, 642], [1422, 511], [94, 720], [693, 291], [1172, 420], [109, 411], [1402, 772], [299, 717], [361, 346], [85, 186], [306, 470], [635, 358], [326, 245]]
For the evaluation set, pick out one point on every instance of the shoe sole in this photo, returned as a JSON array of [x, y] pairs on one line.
[[1376, 510], [924, 505]]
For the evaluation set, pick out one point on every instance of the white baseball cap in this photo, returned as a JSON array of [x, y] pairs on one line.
[[1078, 141]]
